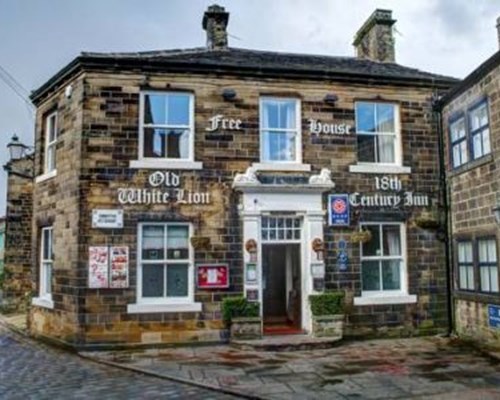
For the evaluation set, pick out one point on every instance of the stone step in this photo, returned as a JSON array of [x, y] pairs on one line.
[[286, 343]]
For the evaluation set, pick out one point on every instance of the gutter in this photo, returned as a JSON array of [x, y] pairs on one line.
[[446, 230]]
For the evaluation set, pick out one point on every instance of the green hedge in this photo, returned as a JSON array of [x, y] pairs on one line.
[[329, 303], [238, 307]]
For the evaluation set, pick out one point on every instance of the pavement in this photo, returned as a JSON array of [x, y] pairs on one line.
[[417, 368], [31, 370]]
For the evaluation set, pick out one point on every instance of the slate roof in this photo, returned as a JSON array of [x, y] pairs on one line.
[[254, 62]]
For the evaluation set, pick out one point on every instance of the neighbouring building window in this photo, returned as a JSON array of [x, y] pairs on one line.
[[165, 273], [479, 130], [167, 126], [46, 263], [378, 133], [280, 133], [50, 142], [465, 266], [383, 267], [458, 138], [488, 267]]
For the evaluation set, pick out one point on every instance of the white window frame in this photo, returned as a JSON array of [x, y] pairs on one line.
[[276, 164], [459, 143], [44, 298], [378, 167], [51, 120], [400, 296], [165, 304], [177, 163]]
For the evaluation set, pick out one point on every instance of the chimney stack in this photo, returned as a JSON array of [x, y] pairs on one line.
[[215, 22], [374, 40], [498, 31]]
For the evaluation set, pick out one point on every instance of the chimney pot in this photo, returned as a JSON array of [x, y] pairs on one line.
[[374, 40], [214, 23]]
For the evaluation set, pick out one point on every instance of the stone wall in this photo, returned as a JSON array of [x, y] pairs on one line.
[[472, 191], [99, 138], [18, 253]]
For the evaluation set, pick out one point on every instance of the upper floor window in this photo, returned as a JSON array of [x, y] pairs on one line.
[[280, 133], [167, 126], [458, 137], [479, 130], [50, 142], [378, 133]]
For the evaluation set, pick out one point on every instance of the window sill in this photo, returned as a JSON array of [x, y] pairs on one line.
[[42, 302], [139, 308], [389, 299], [379, 169], [471, 165], [270, 166], [165, 164], [46, 176]]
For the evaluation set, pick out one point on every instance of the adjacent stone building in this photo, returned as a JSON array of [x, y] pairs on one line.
[[169, 180], [471, 128]]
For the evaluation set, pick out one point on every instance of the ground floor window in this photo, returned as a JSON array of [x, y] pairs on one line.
[[165, 271], [477, 255], [488, 268], [382, 259], [46, 263]]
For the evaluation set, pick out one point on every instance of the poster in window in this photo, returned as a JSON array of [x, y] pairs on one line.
[[98, 267], [212, 276], [119, 267]]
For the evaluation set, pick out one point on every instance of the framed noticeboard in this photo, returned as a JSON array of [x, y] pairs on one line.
[[212, 276], [108, 267]]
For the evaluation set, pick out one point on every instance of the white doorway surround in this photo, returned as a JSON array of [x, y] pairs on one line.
[[295, 200]]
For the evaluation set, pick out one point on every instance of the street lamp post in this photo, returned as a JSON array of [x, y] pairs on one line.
[[17, 151]]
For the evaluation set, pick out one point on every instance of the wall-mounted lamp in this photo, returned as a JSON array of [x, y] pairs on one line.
[[229, 94], [496, 212], [330, 98]]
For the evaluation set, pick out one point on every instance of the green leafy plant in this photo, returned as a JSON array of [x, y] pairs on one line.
[[238, 307], [329, 303]]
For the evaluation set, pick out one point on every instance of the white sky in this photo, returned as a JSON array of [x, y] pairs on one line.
[[37, 38]]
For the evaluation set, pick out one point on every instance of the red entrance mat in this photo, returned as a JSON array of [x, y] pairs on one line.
[[282, 330]]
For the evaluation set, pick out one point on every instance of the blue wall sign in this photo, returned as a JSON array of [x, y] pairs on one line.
[[338, 210], [342, 258], [494, 316]]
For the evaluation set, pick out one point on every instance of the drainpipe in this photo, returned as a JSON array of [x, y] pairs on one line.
[[445, 197]]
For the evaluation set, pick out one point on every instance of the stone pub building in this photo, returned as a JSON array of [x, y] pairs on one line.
[[166, 181]]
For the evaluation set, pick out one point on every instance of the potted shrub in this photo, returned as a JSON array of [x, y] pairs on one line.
[[200, 242], [327, 311], [242, 317]]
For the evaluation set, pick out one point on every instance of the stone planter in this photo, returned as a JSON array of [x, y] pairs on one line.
[[328, 326], [246, 328]]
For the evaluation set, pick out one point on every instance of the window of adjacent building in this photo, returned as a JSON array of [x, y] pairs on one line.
[[167, 126], [280, 134], [479, 130], [458, 137], [46, 262], [382, 259], [50, 142], [465, 266], [378, 133], [488, 268], [165, 263]]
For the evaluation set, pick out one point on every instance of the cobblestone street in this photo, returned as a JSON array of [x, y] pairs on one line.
[[29, 370]]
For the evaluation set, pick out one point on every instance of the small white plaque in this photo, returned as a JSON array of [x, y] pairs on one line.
[[107, 219], [318, 270]]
